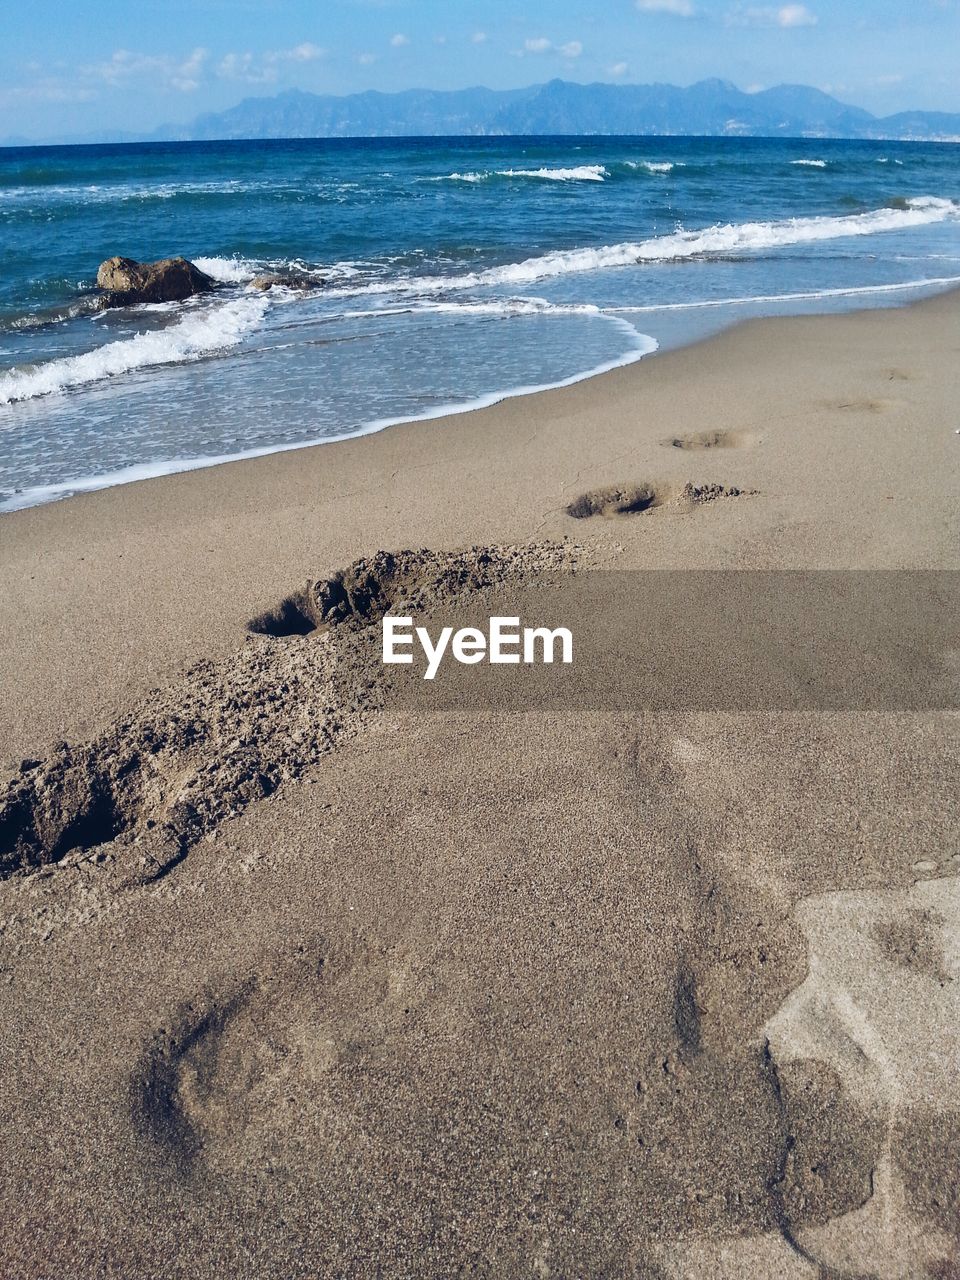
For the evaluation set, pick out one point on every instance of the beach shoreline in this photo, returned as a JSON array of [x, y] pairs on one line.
[[156, 574], [645, 346]]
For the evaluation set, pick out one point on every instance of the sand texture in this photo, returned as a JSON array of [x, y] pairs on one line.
[[297, 983]]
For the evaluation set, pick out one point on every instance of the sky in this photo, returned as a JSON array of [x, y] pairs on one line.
[[87, 66]]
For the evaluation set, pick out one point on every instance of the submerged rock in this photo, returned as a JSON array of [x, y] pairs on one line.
[[127, 282], [286, 280]]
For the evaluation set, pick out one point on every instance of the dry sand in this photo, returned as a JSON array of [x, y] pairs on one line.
[[363, 993]]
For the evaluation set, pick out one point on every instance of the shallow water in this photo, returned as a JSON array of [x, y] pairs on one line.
[[455, 271]]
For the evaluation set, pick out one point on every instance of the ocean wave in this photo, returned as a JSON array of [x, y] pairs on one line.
[[810, 164], [242, 270], [462, 177], [197, 334], [351, 279], [580, 173], [19, 321], [641, 344], [501, 307], [230, 270], [655, 166], [719, 240]]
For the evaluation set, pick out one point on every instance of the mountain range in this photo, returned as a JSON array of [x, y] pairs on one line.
[[710, 108]]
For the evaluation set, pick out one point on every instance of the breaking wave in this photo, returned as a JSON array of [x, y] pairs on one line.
[[654, 166], [350, 279], [717, 240], [580, 173], [197, 334]]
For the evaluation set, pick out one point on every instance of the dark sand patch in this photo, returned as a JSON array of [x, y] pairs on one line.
[[865, 404], [914, 942], [626, 500], [699, 440], [631, 500]]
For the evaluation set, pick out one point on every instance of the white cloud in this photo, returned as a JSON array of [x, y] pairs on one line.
[[399, 40], [128, 69], [252, 68], [572, 48], [246, 68], [618, 69], [795, 15], [439, 39], [366, 59], [679, 8], [305, 52], [182, 74], [788, 15], [479, 37]]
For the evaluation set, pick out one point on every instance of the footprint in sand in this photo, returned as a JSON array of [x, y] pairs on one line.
[[699, 440], [629, 500], [864, 404], [617, 500], [233, 1075], [881, 1007]]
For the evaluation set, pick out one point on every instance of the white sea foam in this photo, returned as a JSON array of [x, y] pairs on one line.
[[199, 333], [503, 307], [228, 270], [731, 238], [93, 193], [654, 166], [242, 270], [581, 173], [462, 177], [852, 291], [811, 164]]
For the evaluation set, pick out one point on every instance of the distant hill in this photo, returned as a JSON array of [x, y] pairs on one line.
[[711, 108]]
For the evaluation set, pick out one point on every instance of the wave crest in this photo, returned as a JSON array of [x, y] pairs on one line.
[[580, 173], [198, 334]]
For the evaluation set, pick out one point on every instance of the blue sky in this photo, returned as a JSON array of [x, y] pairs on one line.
[[75, 66]]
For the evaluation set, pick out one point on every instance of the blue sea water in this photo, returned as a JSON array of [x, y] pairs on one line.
[[454, 271]]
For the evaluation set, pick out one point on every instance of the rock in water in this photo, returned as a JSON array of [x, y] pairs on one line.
[[286, 280], [171, 280]]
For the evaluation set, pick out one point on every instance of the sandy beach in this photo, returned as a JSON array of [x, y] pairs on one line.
[[294, 986]]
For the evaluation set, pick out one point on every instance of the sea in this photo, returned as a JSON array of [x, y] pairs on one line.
[[453, 273]]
